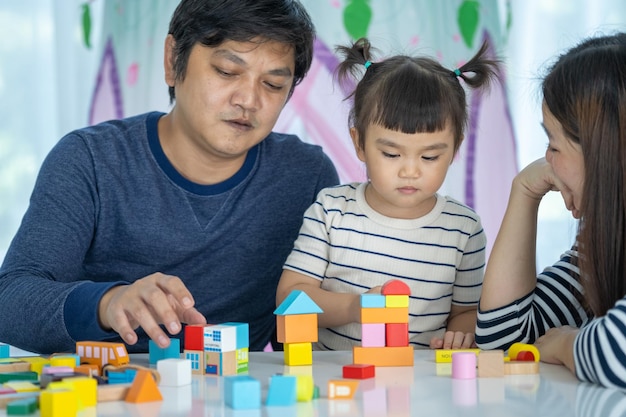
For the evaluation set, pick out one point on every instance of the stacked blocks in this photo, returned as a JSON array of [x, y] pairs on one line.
[[385, 327], [296, 326], [218, 349]]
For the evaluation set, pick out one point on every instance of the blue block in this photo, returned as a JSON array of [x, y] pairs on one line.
[[155, 353], [372, 300], [282, 390], [243, 333], [4, 350], [242, 392]]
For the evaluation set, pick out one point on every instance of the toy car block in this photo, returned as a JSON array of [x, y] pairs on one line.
[[396, 301], [196, 357], [296, 303], [5, 350], [385, 315], [395, 287], [242, 332], [143, 389], [297, 328], [373, 334], [490, 364], [516, 348], [305, 388], [242, 392], [22, 407], [18, 376], [383, 356], [193, 338], [174, 372], [397, 334], [445, 355], [359, 371], [298, 354], [116, 392], [343, 389], [156, 353], [282, 390], [58, 403], [220, 338], [521, 368], [373, 300]]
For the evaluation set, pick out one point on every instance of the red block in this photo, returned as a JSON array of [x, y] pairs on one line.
[[397, 334], [395, 287], [525, 356], [194, 337], [358, 371]]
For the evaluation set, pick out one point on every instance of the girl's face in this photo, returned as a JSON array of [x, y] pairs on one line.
[[404, 170], [565, 157]]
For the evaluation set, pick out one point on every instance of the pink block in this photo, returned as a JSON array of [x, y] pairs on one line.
[[464, 365], [373, 334]]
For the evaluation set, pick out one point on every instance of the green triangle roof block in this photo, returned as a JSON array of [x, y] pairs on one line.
[[297, 302]]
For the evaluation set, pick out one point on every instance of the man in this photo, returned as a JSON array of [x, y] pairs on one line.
[[139, 225]]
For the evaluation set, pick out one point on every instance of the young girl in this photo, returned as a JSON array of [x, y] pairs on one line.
[[407, 123]]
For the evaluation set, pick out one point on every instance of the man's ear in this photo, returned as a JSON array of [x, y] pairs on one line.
[[168, 60], [360, 152]]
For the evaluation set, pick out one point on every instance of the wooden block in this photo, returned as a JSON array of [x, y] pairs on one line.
[[143, 389], [491, 364], [383, 356], [14, 366], [299, 328], [445, 355], [342, 389], [385, 315], [516, 348], [395, 287], [359, 371], [521, 368], [5, 399], [297, 354], [114, 392], [373, 334], [397, 334], [396, 301]]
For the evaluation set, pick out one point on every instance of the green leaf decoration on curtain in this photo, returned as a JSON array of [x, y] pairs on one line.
[[86, 20], [356, 18], [468, 18]]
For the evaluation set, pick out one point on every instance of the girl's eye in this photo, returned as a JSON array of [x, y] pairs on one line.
[[390, 155], [430, 158]]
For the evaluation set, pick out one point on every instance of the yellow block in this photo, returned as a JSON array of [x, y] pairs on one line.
[[396, 301], [304, 388], [21, 386], [37, 363], [58, 403], [385, 315], [516, 348], [86, 388], [298, 354], [383, 356], [445, 355]]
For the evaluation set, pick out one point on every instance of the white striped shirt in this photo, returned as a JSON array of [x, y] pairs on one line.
[[599, 348], [351, 248]]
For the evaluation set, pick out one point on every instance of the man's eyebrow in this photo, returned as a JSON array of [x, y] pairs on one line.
[[236, 59]]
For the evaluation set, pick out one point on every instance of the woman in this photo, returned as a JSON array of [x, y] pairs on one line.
[[574, 311]]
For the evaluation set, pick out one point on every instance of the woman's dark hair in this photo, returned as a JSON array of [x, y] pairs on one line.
[[585, 90], [410, 94], [212, 22]]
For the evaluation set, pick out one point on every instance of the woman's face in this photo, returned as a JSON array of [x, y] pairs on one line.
[[565, 157]]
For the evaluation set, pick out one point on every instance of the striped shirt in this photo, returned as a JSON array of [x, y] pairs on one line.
[[351, 248], [599, 347]]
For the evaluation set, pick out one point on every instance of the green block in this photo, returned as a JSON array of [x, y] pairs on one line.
[[18, 376], [22, 407]]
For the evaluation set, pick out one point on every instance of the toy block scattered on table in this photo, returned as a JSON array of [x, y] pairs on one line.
[[464, 365], [143, 389], [282, 390], [491, 364], [18, 376], [359, 371], [373, 334], [196, 357], [383, 356], [102, 353], [86, 389], [226, 348], [305, 388], [37, 363], [58, 403], [296, 354], [343, 389], [6, 399], [156, 353], [22, 407], [242, 392], [88, 369], [22, 386], [70, 361], [5, 350], [174, 372], [115, 392], [13, 365], [445, 355], [523, 352], [521, 368]]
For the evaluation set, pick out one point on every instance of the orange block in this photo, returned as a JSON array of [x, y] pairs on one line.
[[343, 389], [143, 389], [385, 315], [383, 356], [296, 328]]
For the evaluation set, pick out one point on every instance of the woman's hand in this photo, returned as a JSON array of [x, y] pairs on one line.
[[557, 346]]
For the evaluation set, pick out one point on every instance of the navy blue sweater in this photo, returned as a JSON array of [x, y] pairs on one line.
[[109, 208]]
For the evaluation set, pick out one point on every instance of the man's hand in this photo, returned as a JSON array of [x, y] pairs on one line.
[[147, 303]]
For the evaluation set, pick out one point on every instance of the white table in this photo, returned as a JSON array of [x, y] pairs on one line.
[[426, 389]]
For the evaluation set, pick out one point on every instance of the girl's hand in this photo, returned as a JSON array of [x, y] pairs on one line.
[[453, 340]]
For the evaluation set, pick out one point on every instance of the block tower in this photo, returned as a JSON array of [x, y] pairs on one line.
[[296, 327], [217, 349], [385, 327]]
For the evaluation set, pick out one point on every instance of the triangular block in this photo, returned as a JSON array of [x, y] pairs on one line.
[[297, 302], [143, 389]]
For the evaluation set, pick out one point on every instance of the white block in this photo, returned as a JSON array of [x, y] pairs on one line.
[[174, 372]]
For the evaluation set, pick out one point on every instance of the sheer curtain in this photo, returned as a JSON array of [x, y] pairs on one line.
[[47, 74]]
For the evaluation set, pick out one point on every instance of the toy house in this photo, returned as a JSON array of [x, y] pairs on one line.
[[217, 349]]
